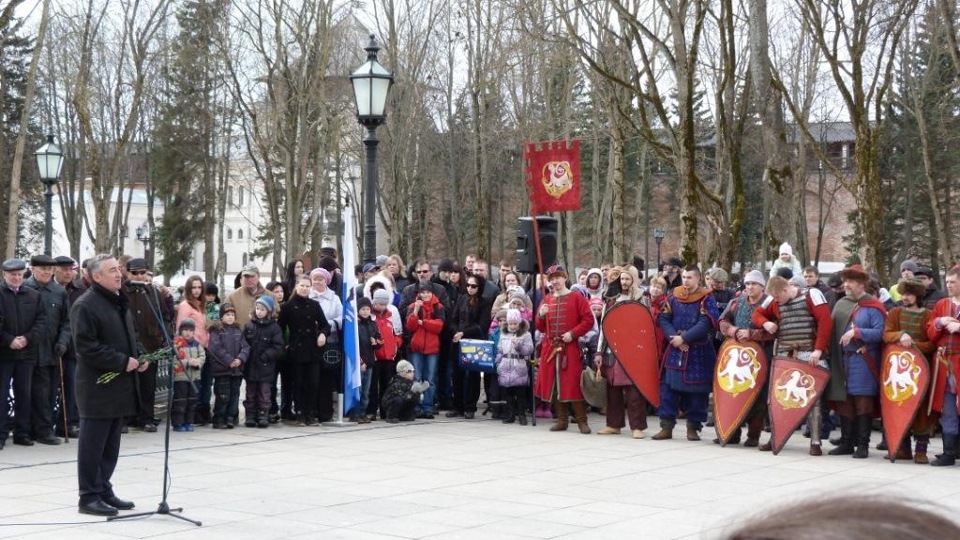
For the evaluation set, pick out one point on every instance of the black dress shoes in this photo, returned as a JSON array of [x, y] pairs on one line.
[[49, 440], [22, 441], [119, 504], [73, 432], [98, 508]]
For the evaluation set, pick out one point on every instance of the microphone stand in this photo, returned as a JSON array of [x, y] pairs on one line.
[[164, 507]]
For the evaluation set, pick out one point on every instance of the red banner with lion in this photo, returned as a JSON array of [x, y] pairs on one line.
[[553, 175]]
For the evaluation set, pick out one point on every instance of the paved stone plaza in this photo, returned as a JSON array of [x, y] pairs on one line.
[[441, 479]]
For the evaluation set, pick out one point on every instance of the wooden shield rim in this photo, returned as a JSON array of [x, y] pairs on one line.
[[746, 410], [771, 397], [653, 396], [891, 448]]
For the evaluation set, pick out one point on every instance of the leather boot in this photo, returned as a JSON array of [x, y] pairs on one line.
[[920, 456], [949, 456], [563, 417], [666, 431], [845, 445], [693, 431], [580, 413], [754, 427], [905, 449], [864, 427]]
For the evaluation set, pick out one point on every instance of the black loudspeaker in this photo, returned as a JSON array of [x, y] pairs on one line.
[[527, 250]]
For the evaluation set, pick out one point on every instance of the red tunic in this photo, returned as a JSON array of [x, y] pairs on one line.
[[567, 313], [951, 349]]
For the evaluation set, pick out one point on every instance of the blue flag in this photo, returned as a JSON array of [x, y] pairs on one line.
[[351, 341]]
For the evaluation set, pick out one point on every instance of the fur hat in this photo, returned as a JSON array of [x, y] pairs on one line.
[[912, 286], [856, 273], [755, 276], [513, 316], [404, 366], [786, 249], [267, 301]]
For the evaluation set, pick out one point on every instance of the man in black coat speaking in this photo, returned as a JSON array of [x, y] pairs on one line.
[[106, 346]]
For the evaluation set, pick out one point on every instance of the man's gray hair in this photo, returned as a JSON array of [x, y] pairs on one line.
[[93, 267]]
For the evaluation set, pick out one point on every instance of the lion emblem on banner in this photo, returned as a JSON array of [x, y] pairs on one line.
[[557, 178], [794, 389], [739, 370], [902, 374]]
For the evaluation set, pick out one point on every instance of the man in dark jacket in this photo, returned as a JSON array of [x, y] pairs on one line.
[[811, 275], [106, 345], [65, 272], [50, 348], [143, 299], [423, 273], [934, 294], [21, 329]]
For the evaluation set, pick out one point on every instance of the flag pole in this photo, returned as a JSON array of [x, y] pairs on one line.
[[348, 253]]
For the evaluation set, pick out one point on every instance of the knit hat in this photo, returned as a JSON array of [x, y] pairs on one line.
[[328, 263], [381, 261], [785, 248], [227, 307], [755, 276], [513, 316], [596, 302], [363, 302], [267, 301], [404, 367], [556, 270], [424, 286], [322, 272], [908, 265], [187, 324], [785, 272], [447, 265], [381, 296], [912, 286], [798, 282]]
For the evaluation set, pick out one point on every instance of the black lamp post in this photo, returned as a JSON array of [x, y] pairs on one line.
[[371, 84], [145, 234], [658, 235], [49, 161]]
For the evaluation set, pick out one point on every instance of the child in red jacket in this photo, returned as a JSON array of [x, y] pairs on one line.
[[425, 319]]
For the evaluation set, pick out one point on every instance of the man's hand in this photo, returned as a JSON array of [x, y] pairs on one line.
[[236, 363], [457, 336], [847, 337], [814, 358], [597, 360], [742, 334], [321, 340], [59, 350], [953, 327], [770, 327], [194, 363], [676, 341], [143, 367], [906, 340], [132, 364], [544, 309], [567, 337]]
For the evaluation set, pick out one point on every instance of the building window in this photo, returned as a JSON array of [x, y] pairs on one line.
[[240, 202], [239, 234], [244, 259], [229, 234], [230, 195]]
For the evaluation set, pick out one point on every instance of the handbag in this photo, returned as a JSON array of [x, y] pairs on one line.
[[594, 387]]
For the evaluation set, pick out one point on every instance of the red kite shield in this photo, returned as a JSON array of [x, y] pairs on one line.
[[906, 377], [795, 388], [740, 375], [628, 328]]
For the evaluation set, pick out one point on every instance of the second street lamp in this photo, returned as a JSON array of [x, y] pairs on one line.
[[371, 84], [49, 162]]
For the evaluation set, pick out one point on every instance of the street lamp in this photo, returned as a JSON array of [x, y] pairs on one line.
[[371, 84], [658, 235], [49, 162], [145, 234]]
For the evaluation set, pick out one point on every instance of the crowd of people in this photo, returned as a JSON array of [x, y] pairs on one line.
[[281, 344]]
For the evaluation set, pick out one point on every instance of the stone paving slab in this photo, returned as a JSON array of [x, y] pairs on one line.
[[442, 479]]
